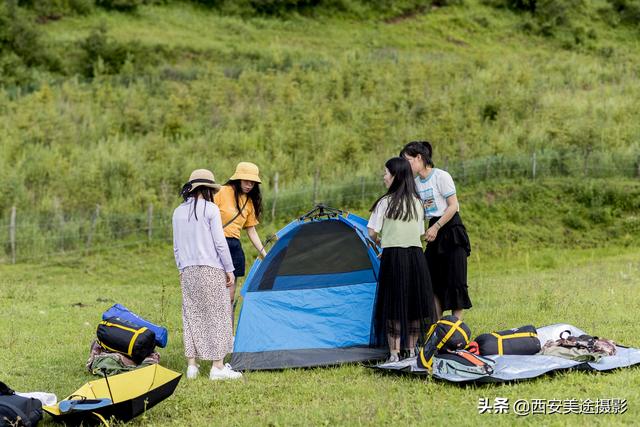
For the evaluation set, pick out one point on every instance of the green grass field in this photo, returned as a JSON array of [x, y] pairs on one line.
[[50, 312]]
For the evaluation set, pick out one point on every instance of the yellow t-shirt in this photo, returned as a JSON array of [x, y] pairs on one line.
[[226, 201]]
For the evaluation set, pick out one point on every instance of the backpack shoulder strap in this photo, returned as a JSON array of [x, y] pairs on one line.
[[237, 213]]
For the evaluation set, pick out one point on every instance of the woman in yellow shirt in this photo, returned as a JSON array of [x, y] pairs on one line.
[[240, 206]]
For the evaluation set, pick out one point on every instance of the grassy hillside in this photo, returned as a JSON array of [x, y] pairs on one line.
[[135, 105]]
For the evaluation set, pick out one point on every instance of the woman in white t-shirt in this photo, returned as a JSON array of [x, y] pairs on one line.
[[447, 241], [404, 302]]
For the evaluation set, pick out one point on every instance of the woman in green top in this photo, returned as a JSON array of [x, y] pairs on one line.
[[404, 302]]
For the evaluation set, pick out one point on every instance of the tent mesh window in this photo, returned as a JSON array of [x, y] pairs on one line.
[[324, 247]]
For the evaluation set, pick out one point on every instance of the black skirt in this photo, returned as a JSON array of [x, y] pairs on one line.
[[237, 256], [404, 303], [447, 260]]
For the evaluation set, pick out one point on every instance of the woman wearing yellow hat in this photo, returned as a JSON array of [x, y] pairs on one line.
[[240, 206]]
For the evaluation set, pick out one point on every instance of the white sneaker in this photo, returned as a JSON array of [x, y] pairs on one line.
[[226, 373], [393, 358], [192, 371]]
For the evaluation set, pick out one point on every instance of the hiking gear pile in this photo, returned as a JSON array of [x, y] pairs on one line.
[[124, 342], [583, 348], [510, 367]]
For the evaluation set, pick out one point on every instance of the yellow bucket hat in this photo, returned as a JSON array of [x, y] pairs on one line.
[[247, 171]]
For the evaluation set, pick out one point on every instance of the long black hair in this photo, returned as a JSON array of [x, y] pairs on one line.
[[206, 192], [419, 147], [402, 192], [254, 195]]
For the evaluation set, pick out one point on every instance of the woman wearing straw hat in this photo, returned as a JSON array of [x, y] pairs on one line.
[[240, 206], [206, 273]]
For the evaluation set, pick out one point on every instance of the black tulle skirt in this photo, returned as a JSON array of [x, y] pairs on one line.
[[404, 303], [447, 260]]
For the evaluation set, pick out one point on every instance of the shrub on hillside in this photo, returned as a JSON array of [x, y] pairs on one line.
[[307, 7], [101, 55], [547, 17], [21, 47], [55, 9], [121, 5], [628, 11]]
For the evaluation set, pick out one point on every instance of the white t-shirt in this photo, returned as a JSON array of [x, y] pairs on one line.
[[395, 232], [434, 191]]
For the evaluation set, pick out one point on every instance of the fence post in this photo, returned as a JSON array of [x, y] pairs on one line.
[[12, 234], [150, 222], [533, 165], [275, 196], [464, 172], [316, 182], [94, 220]]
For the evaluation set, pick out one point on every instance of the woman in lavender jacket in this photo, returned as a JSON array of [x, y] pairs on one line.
[[206, 272]]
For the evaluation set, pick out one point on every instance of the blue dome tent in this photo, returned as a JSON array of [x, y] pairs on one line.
[[310, 302]]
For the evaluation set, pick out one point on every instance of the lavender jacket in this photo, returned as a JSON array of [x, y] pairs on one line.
[[201, 241]]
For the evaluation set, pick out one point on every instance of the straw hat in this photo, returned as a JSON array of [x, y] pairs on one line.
[[247, 171], [200, 178]]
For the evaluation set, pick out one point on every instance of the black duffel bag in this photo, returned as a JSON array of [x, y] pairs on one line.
[[521, 341], [121, 336], [18, 411]]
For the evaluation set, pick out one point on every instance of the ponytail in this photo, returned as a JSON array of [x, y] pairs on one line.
[[423, 148]]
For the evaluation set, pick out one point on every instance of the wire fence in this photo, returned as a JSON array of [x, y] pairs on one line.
[[29, 238]]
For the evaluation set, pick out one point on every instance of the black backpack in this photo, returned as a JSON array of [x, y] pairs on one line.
[[447, 334], [18, 411]]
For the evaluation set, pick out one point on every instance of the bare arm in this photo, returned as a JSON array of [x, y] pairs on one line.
[[373, 235], [452, 208], [221, 246], [255, 239]]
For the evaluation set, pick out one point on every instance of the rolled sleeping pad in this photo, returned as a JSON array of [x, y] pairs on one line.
[[522, 341], [119, 310]]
